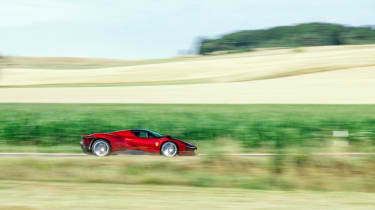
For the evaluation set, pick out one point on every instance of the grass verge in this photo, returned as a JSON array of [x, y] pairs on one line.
[[36, 195], [297, 172]]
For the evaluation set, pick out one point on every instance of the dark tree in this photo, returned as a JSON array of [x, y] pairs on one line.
[[310, 34]]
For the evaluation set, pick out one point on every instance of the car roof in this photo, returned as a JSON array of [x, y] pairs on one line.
[[139, 130]]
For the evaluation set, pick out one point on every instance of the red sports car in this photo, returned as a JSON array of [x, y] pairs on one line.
[[102, 144]]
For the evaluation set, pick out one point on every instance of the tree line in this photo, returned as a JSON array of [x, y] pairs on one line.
[[308, 34]]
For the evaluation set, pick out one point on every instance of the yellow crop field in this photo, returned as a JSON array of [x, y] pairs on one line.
[[333, 74]]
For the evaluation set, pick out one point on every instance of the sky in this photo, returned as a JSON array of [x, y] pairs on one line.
[[139, 29]]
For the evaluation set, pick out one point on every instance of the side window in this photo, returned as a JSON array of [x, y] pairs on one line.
[[141, 134], [150, 135]]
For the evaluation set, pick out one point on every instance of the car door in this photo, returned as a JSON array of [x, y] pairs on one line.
[[148, 142], [144, 141], [140, 140], [136, 142], [152, 144]]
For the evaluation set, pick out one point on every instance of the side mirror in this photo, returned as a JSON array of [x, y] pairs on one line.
[[168, 136]]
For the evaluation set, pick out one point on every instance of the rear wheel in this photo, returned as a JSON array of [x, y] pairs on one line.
[[101, 148], [169, 149]]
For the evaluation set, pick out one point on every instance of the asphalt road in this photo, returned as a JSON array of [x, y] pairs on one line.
[[250, 155]]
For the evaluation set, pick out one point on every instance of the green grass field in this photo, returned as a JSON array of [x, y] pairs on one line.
[[252, 127]]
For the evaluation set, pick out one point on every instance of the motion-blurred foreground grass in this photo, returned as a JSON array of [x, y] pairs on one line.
[[21, 195], [292, 172], [251, 127]]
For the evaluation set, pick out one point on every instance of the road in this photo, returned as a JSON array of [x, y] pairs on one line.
[[250, 155]]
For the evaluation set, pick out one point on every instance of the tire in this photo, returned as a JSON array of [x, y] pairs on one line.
[[169, 149], [101, 148]]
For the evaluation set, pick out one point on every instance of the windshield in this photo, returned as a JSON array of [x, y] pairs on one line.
[[156, 135]]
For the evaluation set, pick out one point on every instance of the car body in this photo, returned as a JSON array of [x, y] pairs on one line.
[[102, 144]]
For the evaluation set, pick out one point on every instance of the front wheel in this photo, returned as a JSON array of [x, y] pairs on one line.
[[169, 149], [101, 148]]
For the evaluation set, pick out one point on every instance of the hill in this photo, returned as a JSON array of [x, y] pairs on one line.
[[310, 34], [251, 66], [308, 75], [73, 62]]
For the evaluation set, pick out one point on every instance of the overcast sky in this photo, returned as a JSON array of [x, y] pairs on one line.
[[153, 28]]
